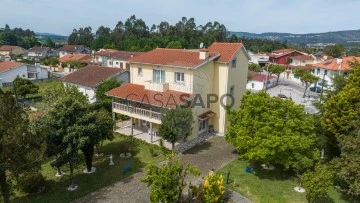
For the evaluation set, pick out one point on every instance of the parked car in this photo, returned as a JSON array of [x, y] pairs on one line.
[[316, 89], [282, 96]]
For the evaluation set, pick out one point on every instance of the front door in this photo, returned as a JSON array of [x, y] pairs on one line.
[[203, 126]]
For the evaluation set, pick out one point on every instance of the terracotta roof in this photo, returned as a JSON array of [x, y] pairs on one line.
[[259, 77], [280, 51], [171, 57], [70, 48], [122, 55], [8, 65], [281, 54], [306, 67], [91, 75], [206, 115], [75, 57], [8, 47], [302, 58], [38, 49], [138, 93], [227, 50], [336, 64]]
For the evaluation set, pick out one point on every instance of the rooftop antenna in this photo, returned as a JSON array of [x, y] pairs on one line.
[[201, 45]]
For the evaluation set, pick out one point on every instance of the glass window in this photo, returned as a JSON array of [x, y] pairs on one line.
[[326, 72], [232, 90], [159, 76], [179, 77], [318, 71], [202, 125], [110, 62], [233, 63], [139, 71], [252, 85]]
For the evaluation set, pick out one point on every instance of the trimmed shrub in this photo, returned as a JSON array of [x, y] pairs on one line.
[[32, 182]]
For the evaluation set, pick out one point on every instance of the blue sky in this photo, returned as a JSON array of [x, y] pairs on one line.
[[294, 16]]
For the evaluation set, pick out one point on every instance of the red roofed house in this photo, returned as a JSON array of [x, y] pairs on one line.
[[113, 58], [162, 79], [7, 51], [283, 56], [10, 70], [84, 59], [259, 81], [88, 79], [327, 69], [73, 49]]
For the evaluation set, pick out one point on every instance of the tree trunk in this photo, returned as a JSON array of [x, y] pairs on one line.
[[173, 146], [277, 79], [306, 87], [71, 174], [88, 153], [4, 186]]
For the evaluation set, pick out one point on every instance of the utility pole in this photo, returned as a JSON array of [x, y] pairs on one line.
[[267, 74]]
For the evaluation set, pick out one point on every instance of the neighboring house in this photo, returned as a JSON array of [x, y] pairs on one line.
[[327, 69], [259, 81], [7, 51], [162, 79], [283, 56], [41, 52], [84, 59], [113, 58], [10, 70], [260, 59], [73, 49], [90, 77]]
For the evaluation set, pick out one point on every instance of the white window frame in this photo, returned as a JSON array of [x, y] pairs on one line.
[[233, 63], [140, 72], [179, 77], [162, 78], [203, 124]]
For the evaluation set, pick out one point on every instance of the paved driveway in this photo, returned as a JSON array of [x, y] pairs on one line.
[[212, 154]]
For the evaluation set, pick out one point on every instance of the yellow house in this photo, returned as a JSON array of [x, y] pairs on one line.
[[208, 80]]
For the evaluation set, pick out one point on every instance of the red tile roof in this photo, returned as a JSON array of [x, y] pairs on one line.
[[281, 54], [171, 57], [138, 93], [70, 48], [280, 51], [259, 77], [91, 75], [8, 65], [8, 47], [227, 50], [122, 55], [302, 58], [38, 49], [333, 64], [75, 57]]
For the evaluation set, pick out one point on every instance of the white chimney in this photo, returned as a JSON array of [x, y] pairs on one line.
[[338, 61], [204, 54]]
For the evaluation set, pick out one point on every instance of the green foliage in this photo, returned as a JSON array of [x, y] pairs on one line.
[[174, 45], [270, 130], [20, 149], [277, 70], [306, 77], [31, 182], [73, 64], [214, 190], [24, 87], [254, 67], [18, 37], [336, 51], [83, 36], [341, 118], [49, 43], [167, 181], [259, 45], [50, 61], [106, 86], [317, 182], [176, 125]]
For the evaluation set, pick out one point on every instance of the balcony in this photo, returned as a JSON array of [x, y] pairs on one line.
[[135, 112], [159, 87]]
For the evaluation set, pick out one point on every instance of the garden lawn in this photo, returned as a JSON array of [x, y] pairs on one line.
[[267, 186], [105, 174]]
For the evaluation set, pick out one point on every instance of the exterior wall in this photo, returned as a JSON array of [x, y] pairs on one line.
[[63, 53], [283, 59], [10, 75], [296, 62], [329, 74], [5, 53], [116, 63], [89, 92], [257, 85]]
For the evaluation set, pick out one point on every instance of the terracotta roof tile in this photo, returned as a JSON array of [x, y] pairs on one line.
[[122, 55], [227, 50], [38, 49], [280, 51], [91, 75], [7, 65], [302, 58], [138, 93], [8, 47], [75, 57], [171, 57], [70, 48], [333, 64], [259, 77]]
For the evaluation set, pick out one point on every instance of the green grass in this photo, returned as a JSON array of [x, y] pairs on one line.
[[267, 186], [104, 176]]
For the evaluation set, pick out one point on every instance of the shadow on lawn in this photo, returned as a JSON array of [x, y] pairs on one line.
[[199, 148], [104, 176]]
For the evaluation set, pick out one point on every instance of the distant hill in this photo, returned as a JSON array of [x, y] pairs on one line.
[[345, 37], [55, 37]]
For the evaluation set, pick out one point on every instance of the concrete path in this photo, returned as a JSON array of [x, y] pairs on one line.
[[212, 154]]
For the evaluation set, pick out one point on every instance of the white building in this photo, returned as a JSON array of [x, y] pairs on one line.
[[259, 81], [10, 70], [259, 59], [90, 77], [73, 49], [41, 52], [113, 58]]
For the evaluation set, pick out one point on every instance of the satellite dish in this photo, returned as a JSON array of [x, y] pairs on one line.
[[201, 45]]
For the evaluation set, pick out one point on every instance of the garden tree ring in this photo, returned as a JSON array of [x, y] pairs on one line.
[[59, 175], [268, 167], [299, 189], [93, 170], [72, 187], [125, 155], [99, 155]]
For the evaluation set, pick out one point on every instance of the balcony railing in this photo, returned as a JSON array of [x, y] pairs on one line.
[[137, 111]]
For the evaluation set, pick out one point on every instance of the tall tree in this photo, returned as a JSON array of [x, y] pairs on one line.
[[277, 70], [49, 43], [106, 86], [270, 130], [336, 51], [20, 149], [24, 87], [307, 78], [176, 125]]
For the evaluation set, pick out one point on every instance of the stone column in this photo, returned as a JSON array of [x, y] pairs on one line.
[[151, 133]]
